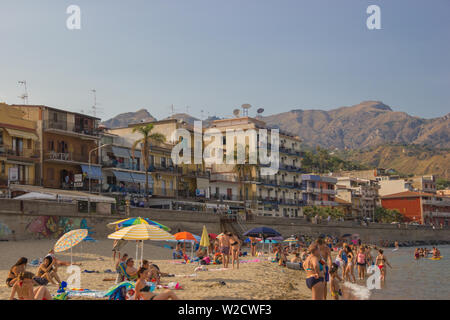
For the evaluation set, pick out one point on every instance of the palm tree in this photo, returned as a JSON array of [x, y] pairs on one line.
[[145, 142]]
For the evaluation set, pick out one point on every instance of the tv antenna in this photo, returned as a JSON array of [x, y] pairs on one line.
[[95, 108], [245, 108], [236, 113], [24, 96]]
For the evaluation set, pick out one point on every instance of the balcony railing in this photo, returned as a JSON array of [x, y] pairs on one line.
[[437, 202], [66, 156], [24, 153], [69, 127]]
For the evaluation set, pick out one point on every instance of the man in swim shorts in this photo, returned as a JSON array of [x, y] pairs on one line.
[[325, 253], [224, 248]]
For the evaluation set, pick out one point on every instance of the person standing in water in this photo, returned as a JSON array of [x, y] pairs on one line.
[[325, 254], [381, 262], [314, 272]]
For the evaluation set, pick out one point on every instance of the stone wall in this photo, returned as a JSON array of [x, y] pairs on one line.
[[42, 219]]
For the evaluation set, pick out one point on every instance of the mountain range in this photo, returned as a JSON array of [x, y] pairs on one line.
[[369, 132]]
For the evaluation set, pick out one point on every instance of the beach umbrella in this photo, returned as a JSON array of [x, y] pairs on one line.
[[346, 235], [134, 221], [204, 241], [70, 239], [184, 235], [141, 232], [265, 232], [213, 236]]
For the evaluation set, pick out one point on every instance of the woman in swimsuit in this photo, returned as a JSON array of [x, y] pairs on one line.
[[235, 250], [15, 270], [315, 276], [349, 269], [24, 289], [361, 261], [343, 259], [381, 262], [47, 270], [253, 245], [416, 254], [143, 291]]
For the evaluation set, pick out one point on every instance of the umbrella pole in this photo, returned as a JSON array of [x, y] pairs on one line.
[[137, 246]]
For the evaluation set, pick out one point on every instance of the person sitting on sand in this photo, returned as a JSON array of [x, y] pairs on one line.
[[47, 270], [23, 287], [120, 264], [142, 289], [201, 253], [296, 258], [15, 271], [131, 271], [335, 289], [58, 262], [177, 252]]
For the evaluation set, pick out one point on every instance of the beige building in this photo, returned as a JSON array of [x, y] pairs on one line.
[[362, 193]]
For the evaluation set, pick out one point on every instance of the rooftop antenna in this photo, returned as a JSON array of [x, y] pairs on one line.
[[187, 109], [236, 112], [24, 96], [95, 108], [201, 117], [245, 108], [172, 110]]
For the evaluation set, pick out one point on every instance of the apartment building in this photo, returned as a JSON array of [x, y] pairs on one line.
[[420, 207], [68, 140], [19, 148], [318, 190], [362, 193]]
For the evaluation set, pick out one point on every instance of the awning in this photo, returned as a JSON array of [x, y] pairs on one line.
[[94, 172], [121, 152], [140, 177], [21, 134], [123, 176]]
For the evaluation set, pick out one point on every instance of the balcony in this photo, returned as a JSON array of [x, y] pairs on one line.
[[24, 153], [120, 165], [290, 151], [66, 157], [62, 127], [444, 203], [272, 200]]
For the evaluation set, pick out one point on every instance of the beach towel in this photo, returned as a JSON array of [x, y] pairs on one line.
[[122, 270], [119, 291], [85, 293]]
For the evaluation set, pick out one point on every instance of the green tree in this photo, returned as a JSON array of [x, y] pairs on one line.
[[145, 142]]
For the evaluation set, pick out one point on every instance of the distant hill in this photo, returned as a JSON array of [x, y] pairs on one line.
[[369, 123], [405, 159], [124, 119]]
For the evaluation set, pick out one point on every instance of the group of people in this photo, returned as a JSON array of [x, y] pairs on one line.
[[424, 252], [146, 276], [321, 270], [29, 286]]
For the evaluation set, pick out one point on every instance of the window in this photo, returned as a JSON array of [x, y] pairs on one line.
[[3, 167], [51, 145], [29, 143], [163, 162], [55, 117], [1, 137]]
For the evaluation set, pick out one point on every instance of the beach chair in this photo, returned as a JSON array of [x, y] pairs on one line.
[[122, 269]]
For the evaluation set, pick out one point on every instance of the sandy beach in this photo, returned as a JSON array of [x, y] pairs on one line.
[[254, 280]]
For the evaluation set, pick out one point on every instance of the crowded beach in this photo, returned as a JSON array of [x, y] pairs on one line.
[[183, 265]]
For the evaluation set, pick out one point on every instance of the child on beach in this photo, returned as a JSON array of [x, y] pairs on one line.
[[335, 289]]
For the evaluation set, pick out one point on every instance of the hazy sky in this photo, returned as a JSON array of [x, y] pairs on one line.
[[216, 55]]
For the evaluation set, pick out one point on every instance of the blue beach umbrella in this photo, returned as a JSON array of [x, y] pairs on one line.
[[265, 232]]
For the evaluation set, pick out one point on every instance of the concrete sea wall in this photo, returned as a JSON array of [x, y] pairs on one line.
[[42, 219]]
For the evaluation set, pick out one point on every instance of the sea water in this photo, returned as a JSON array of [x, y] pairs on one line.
[[411, 279]]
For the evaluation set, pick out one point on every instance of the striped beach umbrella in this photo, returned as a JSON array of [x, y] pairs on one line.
[[134, 221], [70, 239], [141, 232]]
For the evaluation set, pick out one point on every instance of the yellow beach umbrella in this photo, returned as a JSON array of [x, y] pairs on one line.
[[141, 232], [204, 241]]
